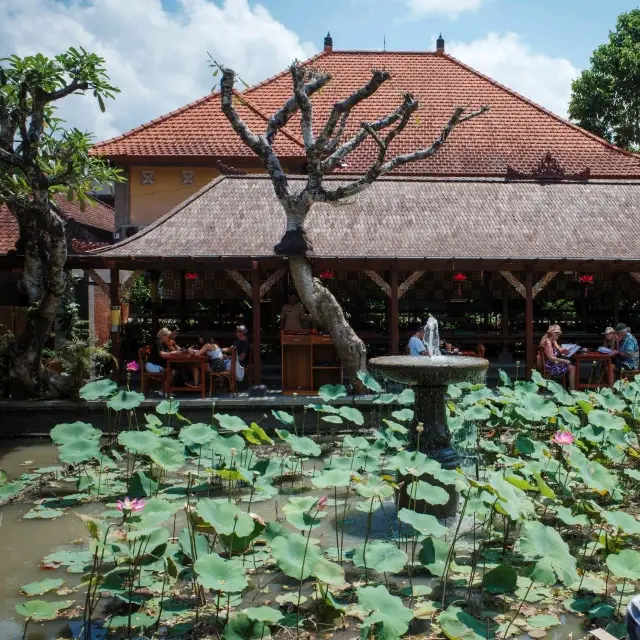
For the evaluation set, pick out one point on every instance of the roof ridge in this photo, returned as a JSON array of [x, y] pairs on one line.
[[166, 216], [564, 121]]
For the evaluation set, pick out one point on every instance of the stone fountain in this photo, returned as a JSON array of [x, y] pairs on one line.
[[430, 376]]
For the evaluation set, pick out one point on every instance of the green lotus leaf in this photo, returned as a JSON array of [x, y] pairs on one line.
[[302, 512], [329, 572], [564, 515], [231, 423], [98, 389], [570, 418], [560, 393], [77, 451], [352, 415], [169, 454], [611, 402], [413, 463], [38, 588], [138, 442], [125, 400], [404, 415], [407, 397], [395, 427], [196, 435], [605, 420], [502, 579], [260, 433], [634, 474], [169, 407], [535, 408], [431, 494], [434, 554], [296, 556], [369, 381], [542, 621], [625, 564], [283, 416], [4, 477], [513, 501], [476, 413], [539, 541], [382, 557], [332, 478], [41, 610], [10, 489], [332, 419], [242, 627], [578, 605], [601, 610], [330, 392], [385, 611], [43, 514], [225, 517], [263, 614], [622, 520], [155, 512], [63, 433], [142, 486], [355, 442], [594, 475], [138, 620], [219, 574], [304, 446], [520, 482], [374, 487], [458, 625], [424, 523]]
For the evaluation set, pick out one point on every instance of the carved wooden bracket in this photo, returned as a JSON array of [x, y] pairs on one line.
[[521, 289], [635, 275], [265, 287], [240, 280], [402, 289], [124, 288], [99, 281], [548, 169]]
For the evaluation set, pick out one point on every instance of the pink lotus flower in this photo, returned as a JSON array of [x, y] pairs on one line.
[[133, 366], [129, 505], [322, 503], [563, 437], [258, 519]]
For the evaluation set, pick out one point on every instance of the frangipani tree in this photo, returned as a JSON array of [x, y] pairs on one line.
[[325, 150], [39, 158]]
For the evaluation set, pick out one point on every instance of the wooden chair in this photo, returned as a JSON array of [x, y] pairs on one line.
[[481, 350], [229, 376], [542, 361], [146, 377]]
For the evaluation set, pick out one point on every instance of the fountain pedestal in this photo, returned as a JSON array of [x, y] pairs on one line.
[[430, 376]]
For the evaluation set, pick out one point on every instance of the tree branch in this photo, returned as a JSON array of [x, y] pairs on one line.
[[73, 86], [380, 168], [258, 144], [306, 110], [332, 145]]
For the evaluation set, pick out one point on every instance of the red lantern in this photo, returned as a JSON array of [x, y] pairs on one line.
[[327, 275], [190, 275], [459, 277], [586, 279]]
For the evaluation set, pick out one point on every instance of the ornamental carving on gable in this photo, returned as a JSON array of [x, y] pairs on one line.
[[548, 169]]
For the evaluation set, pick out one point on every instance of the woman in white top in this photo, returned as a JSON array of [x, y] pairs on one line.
[[207, 346]]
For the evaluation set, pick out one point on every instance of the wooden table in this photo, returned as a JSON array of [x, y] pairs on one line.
[[188, 359], [592, 356]]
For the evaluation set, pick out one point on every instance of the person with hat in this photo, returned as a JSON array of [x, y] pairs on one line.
[[610, 339], [626, 356], [555, 365]]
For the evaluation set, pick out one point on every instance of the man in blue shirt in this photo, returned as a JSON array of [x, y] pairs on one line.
[[416, 346], [626, 356]]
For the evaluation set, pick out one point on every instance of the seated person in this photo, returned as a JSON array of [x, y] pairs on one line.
[[155, 362], [173, 345], [207, 347], [293, 314], [242, 347], [554, 364], [416, 345], [626, 355]]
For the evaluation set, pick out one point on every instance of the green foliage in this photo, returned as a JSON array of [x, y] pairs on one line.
[[606, 97]]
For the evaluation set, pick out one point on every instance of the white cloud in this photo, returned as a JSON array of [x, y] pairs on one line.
[[450, 8], [510, 61], [157, 58]]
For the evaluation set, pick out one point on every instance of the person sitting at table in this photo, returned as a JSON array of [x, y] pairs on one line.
[[159, 350], [173, 345], [626, 355], [242, 347], [610, 339], [416, 345], [554, 364], [293, 314], [207, 346]]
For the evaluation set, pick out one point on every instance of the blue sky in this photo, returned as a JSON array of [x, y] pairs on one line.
[[156, 50]]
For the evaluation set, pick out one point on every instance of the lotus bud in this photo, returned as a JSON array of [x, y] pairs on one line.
[[233, 452], [420, 427], [322, 503]]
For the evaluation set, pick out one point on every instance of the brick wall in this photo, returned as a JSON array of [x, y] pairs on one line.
[[102, 315]]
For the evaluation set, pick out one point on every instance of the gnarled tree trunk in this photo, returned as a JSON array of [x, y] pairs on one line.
[[43, 283]]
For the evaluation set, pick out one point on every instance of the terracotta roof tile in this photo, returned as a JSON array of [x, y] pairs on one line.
[[100, 217], [515, 132], [406, 218]]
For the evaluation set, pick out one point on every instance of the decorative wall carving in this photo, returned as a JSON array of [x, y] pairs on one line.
[[521, 289], [548, 169]]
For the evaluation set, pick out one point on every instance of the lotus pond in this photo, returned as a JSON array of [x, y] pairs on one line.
[[163, 528]]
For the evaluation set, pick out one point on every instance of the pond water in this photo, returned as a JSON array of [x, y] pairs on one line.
[[24, 543]]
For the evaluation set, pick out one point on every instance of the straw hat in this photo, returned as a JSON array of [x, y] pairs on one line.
[[608, 330]]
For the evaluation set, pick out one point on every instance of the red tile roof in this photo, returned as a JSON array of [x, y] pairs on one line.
[[516, 132], [99, 217]]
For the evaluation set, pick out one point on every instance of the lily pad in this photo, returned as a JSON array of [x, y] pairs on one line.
[[196, 435], [382, 557], [41, 610], [138, 442], [502, 579], [39, 588], [386, 611], [98, 389], [168, 407], [67, 432], [242, 627], [423, 523], [231, 423], [125, 400], [369, 381], [225, 517], [543, 621], [459, 625], [625, 564], [81, 450], [431, 494], [295, 555], [216, 573], [352, 415], [283, 416], [330, 392], [263, 614]]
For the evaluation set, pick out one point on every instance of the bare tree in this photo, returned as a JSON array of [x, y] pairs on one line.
[[325, 151]]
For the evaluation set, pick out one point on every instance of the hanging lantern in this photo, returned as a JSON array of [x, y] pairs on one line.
[[191, 275], [327, 275], [459, 278], [586, 279]]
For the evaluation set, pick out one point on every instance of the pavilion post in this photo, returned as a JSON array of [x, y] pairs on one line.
[[616, 298], [256, 337], [183, 299], [529, 322], [114, 289], [505, 317], [394, 328], [155, 304]]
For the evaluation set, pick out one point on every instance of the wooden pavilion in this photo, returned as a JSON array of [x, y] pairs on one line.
[[522, 219]]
